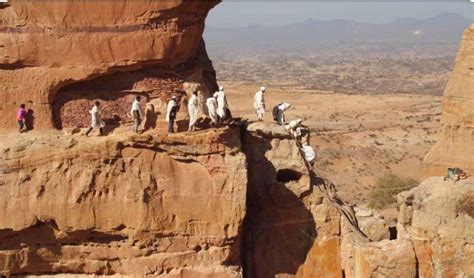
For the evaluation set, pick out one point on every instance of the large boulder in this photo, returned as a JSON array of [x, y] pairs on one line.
[[438, 217]]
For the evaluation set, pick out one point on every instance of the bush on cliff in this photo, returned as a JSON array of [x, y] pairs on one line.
[[386, 189]]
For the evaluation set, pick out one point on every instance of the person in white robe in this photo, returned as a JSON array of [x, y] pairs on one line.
[[96, 122], [171, 111], [309, 153], [211, 104], [259, 103], [221, 104], [282, 107], [193, 110]]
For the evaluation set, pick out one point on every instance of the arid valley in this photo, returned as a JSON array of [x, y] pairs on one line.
[[358, 138]]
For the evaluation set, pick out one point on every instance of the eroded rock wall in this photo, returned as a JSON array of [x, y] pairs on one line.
[[45, 46], [131, 206], [291, 230], [455, 148], [438, 217]]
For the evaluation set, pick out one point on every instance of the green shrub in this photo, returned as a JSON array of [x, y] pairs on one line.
[[386, 189]]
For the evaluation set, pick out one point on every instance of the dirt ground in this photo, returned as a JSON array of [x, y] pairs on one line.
[[357, 137]]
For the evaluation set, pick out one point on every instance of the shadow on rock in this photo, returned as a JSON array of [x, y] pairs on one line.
[[279, 230]]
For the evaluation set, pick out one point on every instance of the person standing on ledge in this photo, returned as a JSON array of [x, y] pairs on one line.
[[96, 122], [211, 104], [221, 104], [259, 103], [193, 110], [171, 111], [137, 113], [20, 117]]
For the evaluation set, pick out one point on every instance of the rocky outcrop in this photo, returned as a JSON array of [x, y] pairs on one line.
[[139, 206], [58, 57], [455, 148], [438, 217], [291, 230]]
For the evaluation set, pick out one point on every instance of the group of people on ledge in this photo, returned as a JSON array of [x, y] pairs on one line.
[[217, 107], [218, 113]]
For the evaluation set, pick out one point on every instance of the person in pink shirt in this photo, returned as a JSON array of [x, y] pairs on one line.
[[20, 117]]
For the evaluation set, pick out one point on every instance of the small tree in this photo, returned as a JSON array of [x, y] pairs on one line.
[[386, 189]]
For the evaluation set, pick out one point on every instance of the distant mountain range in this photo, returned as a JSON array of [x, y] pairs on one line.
[[311, 34]]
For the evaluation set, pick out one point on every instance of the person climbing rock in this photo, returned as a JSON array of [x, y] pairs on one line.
[[21, 117], [259, 103], [96, 122], [222, 106], [193, 110], [279, 112], [211, 104], [171, 112], [309, 153], [137, 113]]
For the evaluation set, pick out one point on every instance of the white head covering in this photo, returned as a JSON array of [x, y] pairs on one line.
[[263, 89], [221, 88], [173, 97]]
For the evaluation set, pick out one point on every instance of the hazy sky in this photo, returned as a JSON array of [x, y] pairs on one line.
[[242, 13]]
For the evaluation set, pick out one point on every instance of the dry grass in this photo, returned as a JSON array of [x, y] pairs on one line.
[[386, 189]]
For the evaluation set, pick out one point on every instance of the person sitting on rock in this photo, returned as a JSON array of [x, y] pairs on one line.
[[171, 112], [21, 117], [193, 110], [211, 104], [259, 103], [137, 113], [279, 112], [96, 122]]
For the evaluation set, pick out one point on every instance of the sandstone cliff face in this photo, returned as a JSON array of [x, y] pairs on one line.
[[58, 57], [438, 217], [455, 148], [290, 230], [133, 206]]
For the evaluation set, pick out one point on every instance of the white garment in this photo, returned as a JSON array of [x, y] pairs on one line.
[[294, 127], [221, 104], [193, 110], [95, 119], [284, 106], [136, 107], [258, 100], [211, 104], [309, 153], [171, 104], [259, 104]]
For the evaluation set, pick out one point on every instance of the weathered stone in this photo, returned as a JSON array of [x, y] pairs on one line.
[[455, 148], [170, 206], [384, 259], [59, 57], [290, 229], [437, 217], [372, 224]]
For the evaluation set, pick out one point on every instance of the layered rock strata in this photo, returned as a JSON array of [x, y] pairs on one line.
[[59, 57], [455, 148], [139, 206]]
